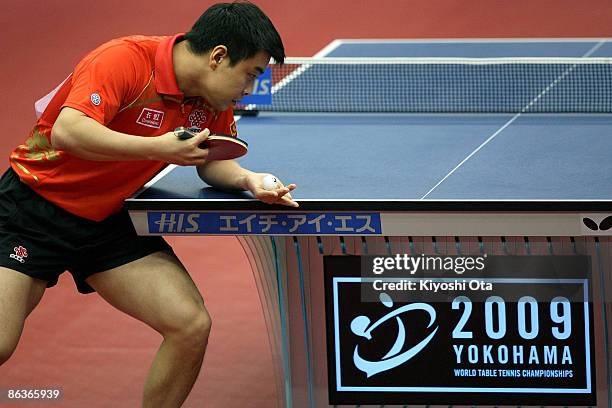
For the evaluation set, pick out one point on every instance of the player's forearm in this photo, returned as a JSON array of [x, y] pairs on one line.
[[225, 174], [83, 137]]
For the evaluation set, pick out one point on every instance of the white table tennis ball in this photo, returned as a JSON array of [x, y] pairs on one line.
[[270, 183]]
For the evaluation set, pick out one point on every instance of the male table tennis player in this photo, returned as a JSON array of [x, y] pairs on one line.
[[107, 130]]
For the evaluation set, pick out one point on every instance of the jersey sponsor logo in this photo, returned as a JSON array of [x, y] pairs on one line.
[[20, 254], [95, 99], [233, 130], [151, 118], [197, 119]]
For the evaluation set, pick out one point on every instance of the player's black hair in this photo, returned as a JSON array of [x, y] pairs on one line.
[[241, 26]]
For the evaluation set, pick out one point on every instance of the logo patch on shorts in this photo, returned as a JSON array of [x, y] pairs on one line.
[[20, 253], [95, 99], [151, 118]]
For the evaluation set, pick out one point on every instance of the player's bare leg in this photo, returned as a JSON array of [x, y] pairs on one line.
[[19, 295], [158, 291]]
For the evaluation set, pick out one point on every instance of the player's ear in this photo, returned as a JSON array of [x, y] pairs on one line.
[[217, 56]]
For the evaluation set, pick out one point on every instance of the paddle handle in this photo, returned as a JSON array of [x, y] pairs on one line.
[[184, 133]]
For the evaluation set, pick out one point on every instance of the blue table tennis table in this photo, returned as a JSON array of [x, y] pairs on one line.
[[528, 184]]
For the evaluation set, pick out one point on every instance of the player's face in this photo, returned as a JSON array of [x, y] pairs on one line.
[[228, 84]]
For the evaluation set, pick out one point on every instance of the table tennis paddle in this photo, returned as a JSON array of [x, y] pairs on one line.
[[220, 147]]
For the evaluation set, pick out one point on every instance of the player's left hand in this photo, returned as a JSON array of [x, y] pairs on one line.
[[278, 194]]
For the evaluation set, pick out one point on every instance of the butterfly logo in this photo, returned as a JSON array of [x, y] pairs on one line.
[[604, 225]]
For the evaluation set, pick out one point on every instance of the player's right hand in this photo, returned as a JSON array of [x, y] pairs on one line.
[[171, 149]]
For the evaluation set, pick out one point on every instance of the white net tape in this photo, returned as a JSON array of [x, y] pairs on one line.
[[442, 85]]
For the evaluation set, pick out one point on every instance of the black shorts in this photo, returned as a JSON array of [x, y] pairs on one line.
[[42, 240]]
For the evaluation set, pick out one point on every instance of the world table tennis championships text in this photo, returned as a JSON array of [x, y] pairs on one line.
[[424, 263]]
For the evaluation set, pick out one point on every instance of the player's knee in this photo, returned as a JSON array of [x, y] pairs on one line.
[[194, 334], [191, 326], [199, 325]]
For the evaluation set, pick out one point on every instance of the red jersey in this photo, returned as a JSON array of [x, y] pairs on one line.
[[128, 85]]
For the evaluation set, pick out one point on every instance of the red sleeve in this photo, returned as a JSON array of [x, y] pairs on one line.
[[106, 80]]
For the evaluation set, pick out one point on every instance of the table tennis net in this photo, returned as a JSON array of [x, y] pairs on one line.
[[441, 85]]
